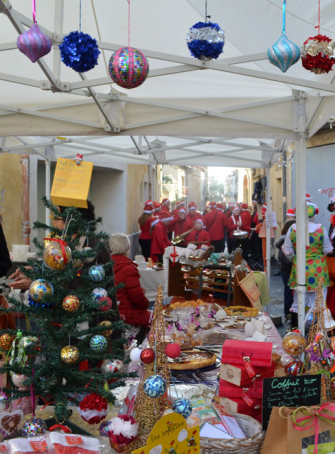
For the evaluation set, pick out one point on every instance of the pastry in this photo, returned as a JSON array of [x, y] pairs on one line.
[[242, 310], [192, 360]]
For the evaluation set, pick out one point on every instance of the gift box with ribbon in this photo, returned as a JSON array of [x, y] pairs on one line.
[[253, 389], [237, 375], [244, 353]]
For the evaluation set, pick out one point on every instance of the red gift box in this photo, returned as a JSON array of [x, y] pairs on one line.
[[237, 375], [242, 352], [253, 389], [236, 405]]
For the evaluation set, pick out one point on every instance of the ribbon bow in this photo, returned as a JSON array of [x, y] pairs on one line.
[[65, 429], [174, 255], [314, 414]]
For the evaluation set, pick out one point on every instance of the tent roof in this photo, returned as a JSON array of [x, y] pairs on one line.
[[240, 96]]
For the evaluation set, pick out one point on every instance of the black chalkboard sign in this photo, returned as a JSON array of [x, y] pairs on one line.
[[290, 392]]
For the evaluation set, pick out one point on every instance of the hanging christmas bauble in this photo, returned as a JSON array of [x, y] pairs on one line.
[[154, 386], [128, 67], [293, 368], [106, 323], [318, 54], [98, 293], [77, 264], [96, 273], [183, 407], [294, 343], [147, 356], [173, 350], [106, 304], [92, 253], [205, 40], [111, 366], [48, 239], [3, 402], [79, 51], [98, 343], [135, 354], [29, 341], [69, 354], [56, 255], [6, 341], [34, 427], [33, 43], [103, 429], [70, 303], [93, 408], [39, 289], [18, 380], [284, 53], [123, 430]]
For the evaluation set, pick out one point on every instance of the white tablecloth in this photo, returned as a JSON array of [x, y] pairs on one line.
[[150, 280]]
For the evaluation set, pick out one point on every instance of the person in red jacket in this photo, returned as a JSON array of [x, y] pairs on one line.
[[246, 221], [157, 209], [145, 221], [159, 238], [234, 223], [193, 215], [166, 206], [199, 236], [180, 204], [180, 225], [215, 222]]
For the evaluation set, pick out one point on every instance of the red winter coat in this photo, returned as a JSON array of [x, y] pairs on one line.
[[145, 229], [194, 217], [246, 220], [199, 236], [159, 239], [215, 222], [165, 208], [133, 302], [231, 226], [179, 226]]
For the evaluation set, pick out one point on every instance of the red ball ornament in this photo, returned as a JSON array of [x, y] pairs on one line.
[[105, 303], [173, 350], [93, 408], [317, 54], [147, 356]]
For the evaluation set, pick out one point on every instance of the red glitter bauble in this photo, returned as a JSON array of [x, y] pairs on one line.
[[106, 303], [173, 350], [147, 356]]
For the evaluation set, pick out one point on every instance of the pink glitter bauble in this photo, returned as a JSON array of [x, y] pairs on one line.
[[34, 44], [128, 67]]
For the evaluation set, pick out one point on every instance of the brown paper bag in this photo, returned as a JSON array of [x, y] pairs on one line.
[[313, 415], [276, 436]]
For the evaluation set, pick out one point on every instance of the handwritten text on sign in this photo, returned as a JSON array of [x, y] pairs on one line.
[[71, 183], [290, 392]]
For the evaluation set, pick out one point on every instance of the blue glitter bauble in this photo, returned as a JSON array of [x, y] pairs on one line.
[[98, 293], [39, 289], [205, 40], [154, 386], [96, 273], [79, 51], [98, 343], [34, 427], [183, 407], [103, 429], [284, 53]]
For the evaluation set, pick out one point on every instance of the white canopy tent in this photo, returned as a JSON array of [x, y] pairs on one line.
[[225, 112]]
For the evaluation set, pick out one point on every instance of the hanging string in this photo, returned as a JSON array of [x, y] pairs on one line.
[[33, 7], [79, 15], [206, 15], [319, 23], [32, 393], [284, 17], [128, 23]]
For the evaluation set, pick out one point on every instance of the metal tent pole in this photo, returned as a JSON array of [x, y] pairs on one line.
[[47, 189], [268, 229]]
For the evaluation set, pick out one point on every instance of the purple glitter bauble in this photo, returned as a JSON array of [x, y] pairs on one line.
[[103, 429], [34, 44], [128, 67]]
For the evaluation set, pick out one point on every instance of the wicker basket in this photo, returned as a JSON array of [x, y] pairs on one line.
[[249, 445]]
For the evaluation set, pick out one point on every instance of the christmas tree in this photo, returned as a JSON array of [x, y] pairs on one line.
[[75, 346]]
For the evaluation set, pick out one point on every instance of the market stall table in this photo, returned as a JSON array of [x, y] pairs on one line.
[[150, 280]]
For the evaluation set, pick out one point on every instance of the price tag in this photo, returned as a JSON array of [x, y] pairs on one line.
[[3, 448], [248, 367], [39, 445], [71, 440], [247, 399]]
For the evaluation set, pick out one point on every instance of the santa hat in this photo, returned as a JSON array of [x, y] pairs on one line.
[[308, 197], [155, 222], [192, 206], [180, 203], [157, 206], [236, 208], [182, 210], [164, 216], [219, 206], [231, 204], [147, 209], [149, 202], [201, 222], [290, 213], [244, 207], [254, 202], [264, 206], [165, 201], [212, 205]]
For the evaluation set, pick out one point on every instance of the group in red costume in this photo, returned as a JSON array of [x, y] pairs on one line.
[[215, 222]]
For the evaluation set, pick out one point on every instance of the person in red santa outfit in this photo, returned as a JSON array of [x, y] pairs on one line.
[[180, 204], [145, 221], [215, 222], [199, 236], [193, 215], [159, 238], [234, 223], [246, 221], [157, 209], [230, 209], [166, 206], [180, 225], [290, 214]]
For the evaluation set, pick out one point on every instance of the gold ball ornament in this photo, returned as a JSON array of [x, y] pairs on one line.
[[40, 288], [47, 240], [106, 323], [56, 255], [70, 303], [69, 354], [294, 344], [6, 341]]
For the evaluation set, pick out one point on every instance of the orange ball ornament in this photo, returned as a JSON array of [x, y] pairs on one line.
[[6, 341], [70, 303]]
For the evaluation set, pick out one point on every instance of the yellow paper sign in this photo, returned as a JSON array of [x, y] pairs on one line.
[[170, 435], [71, 183]]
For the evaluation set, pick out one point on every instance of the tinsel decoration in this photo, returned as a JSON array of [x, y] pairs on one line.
[[318, 54], [284, 53], [93, 408], [122, 430], [33, 43], [128, 67], [205, 40], [79, 51]]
